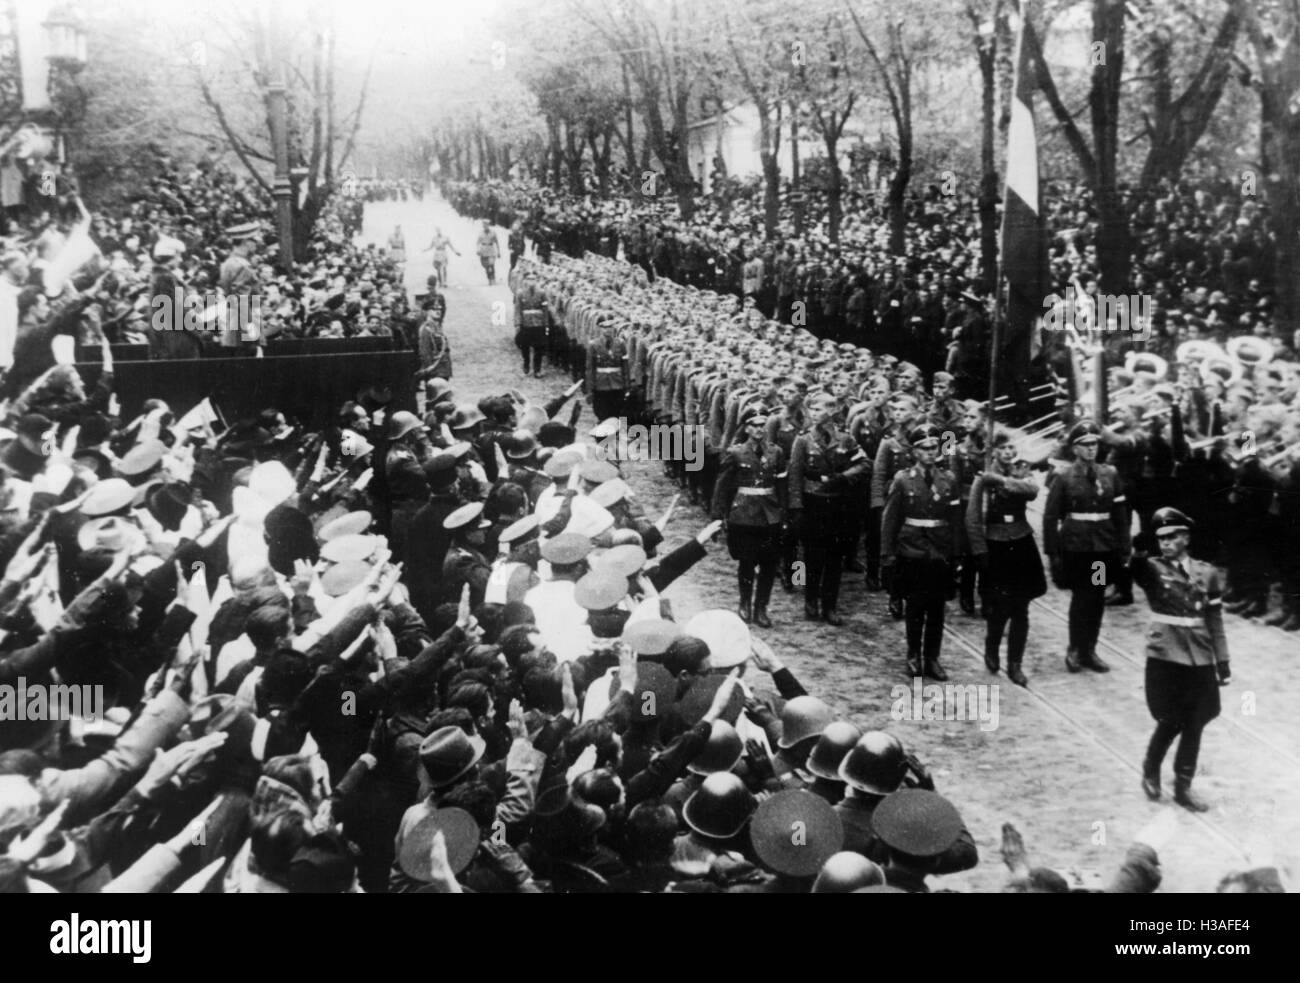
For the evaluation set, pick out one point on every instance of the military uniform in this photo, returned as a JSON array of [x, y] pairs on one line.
[[827, 482], [747, 498], [1002, 543], [1187, 657], [1086, 536], [782, 429], [918, 536], [893, 454]]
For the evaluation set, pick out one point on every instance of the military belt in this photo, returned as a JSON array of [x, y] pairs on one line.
[[1088, 516], [926, 523], [1004, 520], [754, 490], [1177, 619]]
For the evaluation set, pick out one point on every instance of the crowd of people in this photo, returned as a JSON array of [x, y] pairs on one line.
[[438, 653], [187, 270]]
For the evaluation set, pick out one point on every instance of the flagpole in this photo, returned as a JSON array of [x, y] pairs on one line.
[[995, 343]]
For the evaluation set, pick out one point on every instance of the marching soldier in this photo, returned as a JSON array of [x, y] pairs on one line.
[[894, 454], [918, 539], [783, 427], [1187, 653], [828, 475], [1086, 538], [607, 373], [747, 500], [1002, 544]]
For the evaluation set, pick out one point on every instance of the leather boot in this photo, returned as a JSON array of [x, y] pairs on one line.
[[760, 616], [1119, 599], [914, 663], [762, 594], [1015, 673], [746, 607], [1072, 662], [832, 617], [991, 661], [896, 608], [1292, 623], [967, 604], [854, 565], [1184, 797], [1151, 780], [1279, 618], [811, 611], [873, 582], [935, 671], [1093, 661]]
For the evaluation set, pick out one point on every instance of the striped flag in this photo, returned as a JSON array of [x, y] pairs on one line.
[[1024, 245]]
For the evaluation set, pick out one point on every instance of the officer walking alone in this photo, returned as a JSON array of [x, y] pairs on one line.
[[1187, 653], [1086, 537], [746, 499], [918, 539]]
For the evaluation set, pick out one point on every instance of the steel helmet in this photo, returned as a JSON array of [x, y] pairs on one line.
[[720, 807], [845, 872], [802, 718], [837, 740], [721, 753], [876, 764]]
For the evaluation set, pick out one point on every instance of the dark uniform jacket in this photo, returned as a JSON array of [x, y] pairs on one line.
[[826, 464], [746, 492], [1186, 611], [893, 455], [1086, 515], [920, 520]]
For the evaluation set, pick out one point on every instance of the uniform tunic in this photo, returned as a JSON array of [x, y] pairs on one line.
[[1185, 641]]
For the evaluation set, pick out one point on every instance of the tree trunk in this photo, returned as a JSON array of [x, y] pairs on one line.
[[1103, 98], [557, 156], [1280, 140], [771, 194], [1178, 124], [897, 201], [834, 186], [573, 158], [795, 190]]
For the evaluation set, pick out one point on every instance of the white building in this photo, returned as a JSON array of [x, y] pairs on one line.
[[737, 134]]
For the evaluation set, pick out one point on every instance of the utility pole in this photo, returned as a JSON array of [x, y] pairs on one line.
[[282, 189]]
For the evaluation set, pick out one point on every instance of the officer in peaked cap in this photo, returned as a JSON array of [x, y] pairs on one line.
[[893, 454], [466, 562], [1086, 538], [827, 475], [747, 498], [918, 538], [1187, 653]]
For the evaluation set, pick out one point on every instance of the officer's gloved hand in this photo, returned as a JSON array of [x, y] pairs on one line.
[[1225, 673]]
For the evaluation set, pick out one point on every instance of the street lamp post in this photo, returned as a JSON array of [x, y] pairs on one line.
[[282, 189]]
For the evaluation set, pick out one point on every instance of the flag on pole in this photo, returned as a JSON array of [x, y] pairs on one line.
[[1024, 244]]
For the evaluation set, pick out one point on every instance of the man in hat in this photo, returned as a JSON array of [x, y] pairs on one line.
[[238, 280], [1002, 547], [893, 454], [466, 562], [746, 498], [828, 474], [1086, 538], [434, 348], [1187, 653], [920, 830], [918, 537]]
